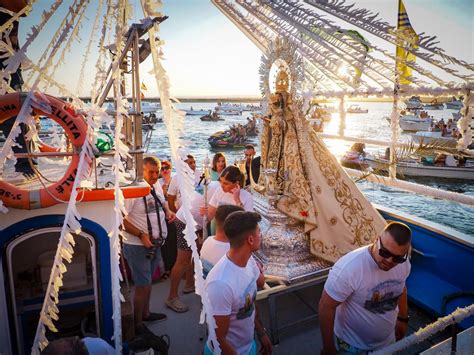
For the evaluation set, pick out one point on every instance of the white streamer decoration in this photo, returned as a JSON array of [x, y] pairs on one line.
[[416, 188], [456, 317], [465, 122], [121, 152], [184, 174], [17, 58], [65, 250]]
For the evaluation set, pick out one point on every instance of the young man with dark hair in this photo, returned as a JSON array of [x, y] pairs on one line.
[[364, 303], [232, 288], [215, 247], [145, 231]]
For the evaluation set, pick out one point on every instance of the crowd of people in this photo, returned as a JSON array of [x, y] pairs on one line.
[[364, 303], [237, 134], [447, 129]]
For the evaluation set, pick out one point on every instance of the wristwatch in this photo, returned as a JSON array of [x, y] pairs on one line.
[[403, 319], [140, 234]]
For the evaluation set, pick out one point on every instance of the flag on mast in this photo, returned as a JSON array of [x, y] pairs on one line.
[[408, 38]]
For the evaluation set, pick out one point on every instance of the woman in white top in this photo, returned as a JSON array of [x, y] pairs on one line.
[[229, 193]]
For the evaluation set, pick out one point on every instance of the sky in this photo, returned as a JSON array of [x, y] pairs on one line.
[[207, 56]]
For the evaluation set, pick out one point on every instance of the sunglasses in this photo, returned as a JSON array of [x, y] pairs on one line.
[[165, 168], [384, 253]]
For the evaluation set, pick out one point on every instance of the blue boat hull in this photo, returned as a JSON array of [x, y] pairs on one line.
[[442, 262]]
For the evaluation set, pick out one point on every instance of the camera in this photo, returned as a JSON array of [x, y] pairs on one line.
[[152, 251]]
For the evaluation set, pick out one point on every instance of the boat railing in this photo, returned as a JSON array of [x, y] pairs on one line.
[[450, 320]]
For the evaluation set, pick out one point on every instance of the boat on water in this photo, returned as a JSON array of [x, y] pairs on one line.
[[414, 103], [214, 117], [423, 137], [229, 112], [191, 112], [418, 121], [354, 158], [434, 105], [454, 104], [357, 109], [60, 242], [416, 168]]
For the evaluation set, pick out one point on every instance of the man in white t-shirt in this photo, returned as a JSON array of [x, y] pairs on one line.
[[145, 231], [232, 288], [364, 303]]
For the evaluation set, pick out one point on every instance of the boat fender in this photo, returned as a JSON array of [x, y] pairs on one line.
[[75, 127]]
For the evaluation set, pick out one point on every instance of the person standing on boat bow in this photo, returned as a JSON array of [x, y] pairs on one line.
[[364, 303], [145, 232]]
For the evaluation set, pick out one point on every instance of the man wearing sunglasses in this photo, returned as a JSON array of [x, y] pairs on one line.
[[364, 303]]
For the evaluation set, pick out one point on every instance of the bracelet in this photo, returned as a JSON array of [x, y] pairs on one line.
[[403, 319], [140, 234]]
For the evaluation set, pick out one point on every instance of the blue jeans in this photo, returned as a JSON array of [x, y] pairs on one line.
[[253, 349], [142, 268], [344, 348]]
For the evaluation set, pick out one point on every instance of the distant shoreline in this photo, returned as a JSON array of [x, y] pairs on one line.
[[257, 99]]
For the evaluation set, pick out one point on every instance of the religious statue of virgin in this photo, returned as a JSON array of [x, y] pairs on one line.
[[309, 184]]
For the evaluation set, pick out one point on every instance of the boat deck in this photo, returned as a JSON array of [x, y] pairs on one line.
[[304, 338]]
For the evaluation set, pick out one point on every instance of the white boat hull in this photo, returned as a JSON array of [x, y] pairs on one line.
[[420, 170], [197, 112], [427, 138], [415, 125]]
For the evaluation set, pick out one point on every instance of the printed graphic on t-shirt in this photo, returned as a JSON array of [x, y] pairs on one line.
[[384, 297], [150, 202], [247, 310]]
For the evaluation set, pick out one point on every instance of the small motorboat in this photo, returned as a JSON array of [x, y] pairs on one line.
[[454, 104], [414, 122], [357, 109], [434, 105], [354, 158], [225, 106], [214, 117], [433, 138], [414, 103], [414, 168], [192, 112], [223, 144], [227, 112]]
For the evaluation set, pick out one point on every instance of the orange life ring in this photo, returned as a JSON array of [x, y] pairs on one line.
[[75, 127], [46, 148]]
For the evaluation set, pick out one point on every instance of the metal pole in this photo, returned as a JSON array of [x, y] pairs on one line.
[[138, 139], [342, 117]]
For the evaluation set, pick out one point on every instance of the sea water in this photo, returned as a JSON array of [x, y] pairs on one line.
[[194, 133]]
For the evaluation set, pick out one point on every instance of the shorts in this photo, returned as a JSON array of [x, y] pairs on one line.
[[140, 266], [181, 240]]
